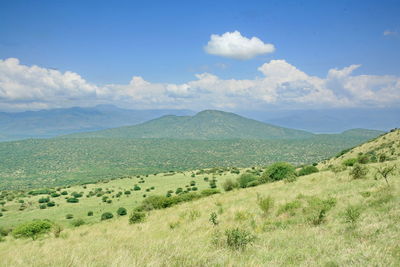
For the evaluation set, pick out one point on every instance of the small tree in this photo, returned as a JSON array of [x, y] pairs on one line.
[[32, 229], [385, 172], [265, 204]]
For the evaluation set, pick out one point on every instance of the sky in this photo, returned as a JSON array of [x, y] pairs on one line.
[[229, 55]]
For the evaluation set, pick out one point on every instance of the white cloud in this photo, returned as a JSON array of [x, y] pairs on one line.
[[234, 45], [390, 33], [281, 84], [22, 86]]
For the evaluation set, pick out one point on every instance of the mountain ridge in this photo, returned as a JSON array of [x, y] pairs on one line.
[[207, 124]]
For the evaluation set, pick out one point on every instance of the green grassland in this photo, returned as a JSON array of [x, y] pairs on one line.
[[326, 218], [161, 182], [39, 163]]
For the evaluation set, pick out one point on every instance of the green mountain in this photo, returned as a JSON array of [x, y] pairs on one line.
[[205, 125]]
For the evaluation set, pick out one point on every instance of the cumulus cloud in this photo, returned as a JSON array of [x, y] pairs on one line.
[[280, 84], [24, 86], [234, 45]]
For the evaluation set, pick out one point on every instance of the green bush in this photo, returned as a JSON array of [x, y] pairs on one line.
[[106, 216], [306, 170], [209, 192], [64, 193], [352, 213], [90, 213], [55, 194], [127, 192], [358, 172], [136, 188], [213, 218], [72, 200], [42, 206], [121, 211], [1, 214], [278, 171], [51, 204], [245, 179], [32, 229], [69, 216], [178, 190], [349, 162], [44, 200], [77, 222], [229, 185], [137, 217], [4, 231], [265, 204], [238, 239], [317, 208]]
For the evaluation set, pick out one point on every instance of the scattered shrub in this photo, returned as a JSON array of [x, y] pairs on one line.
[[136, 188], [57, 229], [72, 200], [238, 239], [137, 217], [122, 211], [209, 192], [265, 204], [42, 206], [358, 172], [32, 229], [351, 214], [278, 171], [44, 200], [349, 162], [245, 179], [127, 192], [106, 216], [229, 185], [213, 219], [69, 216], [64, 193], [317, 208], [90, 213], [77, 222], [51, 204], [306, 170]]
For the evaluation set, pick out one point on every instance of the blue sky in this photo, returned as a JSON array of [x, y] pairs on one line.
[[106, 43]]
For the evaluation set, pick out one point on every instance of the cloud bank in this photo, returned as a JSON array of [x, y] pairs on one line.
[[280, 85], [234, 45]]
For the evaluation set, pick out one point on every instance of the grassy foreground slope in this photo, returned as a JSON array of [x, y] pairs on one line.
[[360, 227]]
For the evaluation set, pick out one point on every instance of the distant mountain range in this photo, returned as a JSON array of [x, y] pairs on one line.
[[205, 125], [55, 122], [50, 123]]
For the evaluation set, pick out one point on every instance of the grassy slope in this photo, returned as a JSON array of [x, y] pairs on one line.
[[281, 239]]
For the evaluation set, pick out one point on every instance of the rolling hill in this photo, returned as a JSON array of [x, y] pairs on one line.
[[206, 125]]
